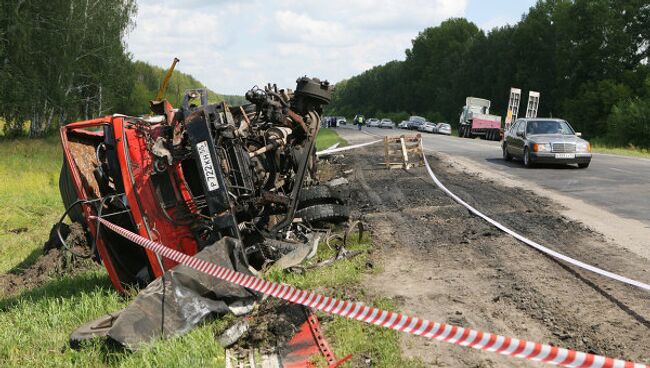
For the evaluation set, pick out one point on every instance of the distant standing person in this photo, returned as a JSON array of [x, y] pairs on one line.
[[360, 120]]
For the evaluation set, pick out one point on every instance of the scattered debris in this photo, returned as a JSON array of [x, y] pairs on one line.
[[336, 182], [230, 336], [234, 185]]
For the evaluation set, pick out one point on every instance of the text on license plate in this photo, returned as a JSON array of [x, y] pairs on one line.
[[565, 155], [207, 165]]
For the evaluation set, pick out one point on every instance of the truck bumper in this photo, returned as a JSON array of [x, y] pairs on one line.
[[550, 158]]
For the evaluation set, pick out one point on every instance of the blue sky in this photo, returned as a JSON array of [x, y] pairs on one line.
[[232, 45]]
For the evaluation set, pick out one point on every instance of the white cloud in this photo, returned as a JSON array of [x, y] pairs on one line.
[[232, 45], [499, 21]]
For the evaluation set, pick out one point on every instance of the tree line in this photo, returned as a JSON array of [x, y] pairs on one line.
[[65, 60], [588, 58]]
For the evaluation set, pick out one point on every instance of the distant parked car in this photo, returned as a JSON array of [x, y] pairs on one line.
[[341, 120], [444, 128], [428, 127], [373, 122], [403, 125], [386, 123], [415, 122], [537, 140]]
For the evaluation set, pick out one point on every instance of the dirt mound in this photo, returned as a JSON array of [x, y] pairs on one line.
[[450, 266], [55, 261]]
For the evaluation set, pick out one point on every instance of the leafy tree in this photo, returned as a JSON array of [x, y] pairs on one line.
[[65, 60], [587, 58]]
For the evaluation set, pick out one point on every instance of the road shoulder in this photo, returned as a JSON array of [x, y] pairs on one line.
[[630, 234]]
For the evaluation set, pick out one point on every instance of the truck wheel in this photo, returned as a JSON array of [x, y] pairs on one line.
[[527, 162], [318, 194], [506, 155], [324, 213], [460, 131]]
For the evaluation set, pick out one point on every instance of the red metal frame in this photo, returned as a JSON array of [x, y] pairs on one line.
[[136, 166]]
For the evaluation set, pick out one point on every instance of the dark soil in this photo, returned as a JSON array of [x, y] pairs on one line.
[[450, 266], [271, 326], [55, 261]]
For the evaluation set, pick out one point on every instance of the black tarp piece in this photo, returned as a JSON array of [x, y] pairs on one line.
[[177, 302]]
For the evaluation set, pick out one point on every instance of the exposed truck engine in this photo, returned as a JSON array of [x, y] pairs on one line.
[[190, 176]]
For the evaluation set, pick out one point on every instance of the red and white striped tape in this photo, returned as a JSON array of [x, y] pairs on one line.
[[396, 321]]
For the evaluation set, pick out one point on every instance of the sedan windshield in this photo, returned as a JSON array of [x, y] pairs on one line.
[[548, 127]]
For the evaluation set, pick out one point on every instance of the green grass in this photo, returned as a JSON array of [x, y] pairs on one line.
[[35, 324], [34, 329], [340, 280], [380, 345], [328, 137], [622, 151], [29, 197]]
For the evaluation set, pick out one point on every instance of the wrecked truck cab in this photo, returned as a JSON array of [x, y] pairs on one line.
[[190, 176]]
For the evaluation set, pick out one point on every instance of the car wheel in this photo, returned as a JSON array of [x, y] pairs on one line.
[[583, 165], [527, 162], [506, 155]]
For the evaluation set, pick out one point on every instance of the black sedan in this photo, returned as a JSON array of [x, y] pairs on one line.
[[536, 140]]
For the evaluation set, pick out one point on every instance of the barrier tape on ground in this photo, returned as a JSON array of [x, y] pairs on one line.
[[396, 321], [346, 148], [531, 243]]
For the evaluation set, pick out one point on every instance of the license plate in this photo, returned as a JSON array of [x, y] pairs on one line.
[[565, 155], [208, 167]]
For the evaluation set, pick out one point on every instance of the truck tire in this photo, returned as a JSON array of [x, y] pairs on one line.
[[69, 194], [318, 194], [324, 213]]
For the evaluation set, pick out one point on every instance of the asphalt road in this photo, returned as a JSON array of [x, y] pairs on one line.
[[617, 184]]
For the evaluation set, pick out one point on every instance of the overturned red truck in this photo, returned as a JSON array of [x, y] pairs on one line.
[[190, 178]]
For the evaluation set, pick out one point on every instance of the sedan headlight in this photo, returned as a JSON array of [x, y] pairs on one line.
[[542, 147], [583, 147]]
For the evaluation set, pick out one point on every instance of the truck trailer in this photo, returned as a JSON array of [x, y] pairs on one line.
[[476, 121]]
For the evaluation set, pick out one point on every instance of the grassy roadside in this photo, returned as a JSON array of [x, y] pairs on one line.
[[621, 151], [29, 197], [328, 137], [35, 323]]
